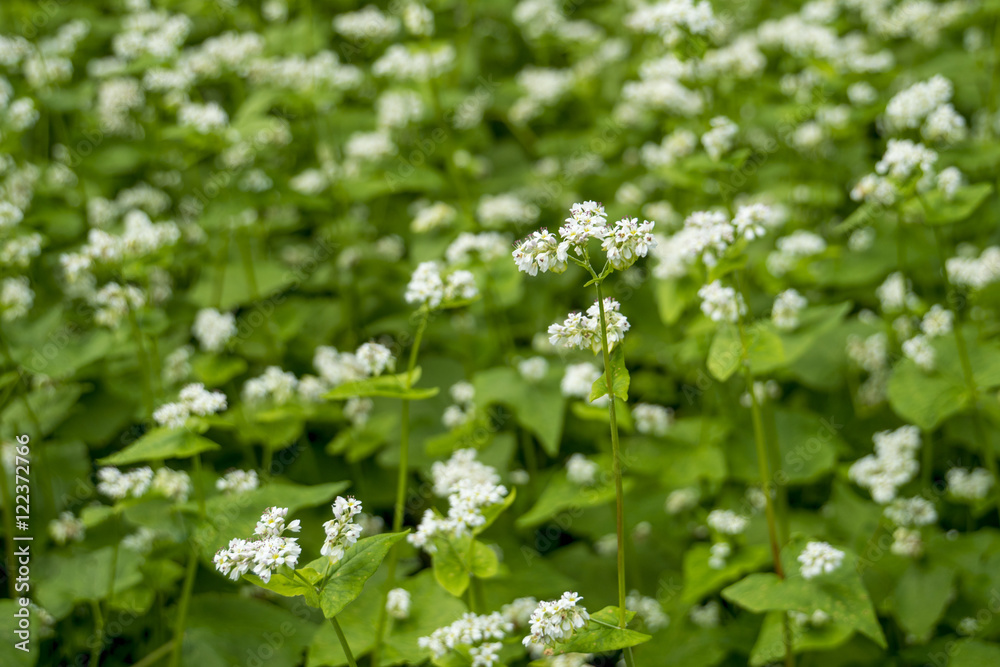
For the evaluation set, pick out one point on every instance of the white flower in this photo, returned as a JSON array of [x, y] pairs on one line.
[[16, 298], [66, 528], [720, 138], [375, 358], [583, 331], [787, 307], [903, 156], [534, 369], [579, 379], [893, 293], [909, 107], [706, 615], [920, 351], [652, 419], [463, 393], [468, 630], [556, 620], [893, 464], [628, 241], [965, 484], [341, 531], [649, 609], [265, 555], [680, 500], [580, 470], [975, 272], [540, 251], [397, 603], [819, 558], [274, 385], [949, 181], [721, 303], [937, 322], [173, 484], [238, 481], [213, 329], [908, 512], [719, 552], [204, 118], [907, 543], [727, 522], [117, 485]]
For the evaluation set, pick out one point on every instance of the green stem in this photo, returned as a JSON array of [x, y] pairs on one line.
[[98, 646], [147, 379], [192, 569], [155, 656], [198, 489], [616, 462], [343, 642], [400, 505]]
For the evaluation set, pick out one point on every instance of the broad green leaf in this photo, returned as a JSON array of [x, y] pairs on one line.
[[922, 595], [621, 378], [347, 578], [214, 370], [491, 512], [939, 210], [923, 399], [596, 637], [161, 444], [700, 580], [974, 653], [770, 645], [538, 407], [390, 386], [560, 495], [725, 352]]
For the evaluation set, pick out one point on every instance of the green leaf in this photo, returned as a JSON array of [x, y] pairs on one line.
[[491, 512], [621, 378], [560, 494], [922, 399], [214, 370], [538, 407], [725, 353], [10, 654], [922, 595], [161, 444], [938, 210], [598, 638], [390, 386], [348, 576], [700, 580], [974, 653], [450, 567]]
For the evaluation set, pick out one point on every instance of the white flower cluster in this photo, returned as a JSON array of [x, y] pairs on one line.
[[113, 302], [335, 368], [273, 386], [578, 380], [817, 619], [463, 409], [470, 487], [907, 542], [433, 216], [468, 630], [969, 485], [727, 522], [668, 19], [652, 419], [681, 500], [16, 298], [623, 244], [892, 465], [117, 485], [265, 555], [706, 615], [819, 558], [926, 100], [403, 63], [555, 620], [487, 246], [718, 554], [193, 399], [341, 531], [907, 512], [787, 306], [792, 248], [649, 609], [66, 528], [397, 603], [533, 369], [238, 481], [173, 484], [720, 139], [368, 25], [213, 329], [582, 332], [919, 350], [721, 303], [496, 210], [937, 322], [580, 470], [975, 272], [430, 287], [708, 234]]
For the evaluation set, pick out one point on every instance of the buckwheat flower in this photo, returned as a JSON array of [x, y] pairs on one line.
[[10, 216], [719, 552], [358, 409], [18, 252], [397, 603], [579, 379], [117, 485], [580, 470], [141, 541], [967, 626], [706, 615], [720, 138], [203, 118], [533, 369], [720, 303], [496, 210], [649, 609], [969, 485], [173, 484], [907, 542], [937, 322], [652, 419], [787, 306], [819, 558], [628, 241], [681, 500], [274, 385], [460, 286], [919, 350], [945, 125], [213, 329], [368, 24], [66, 528], [202, 402], [949, 181], [403, 63], [463, 393], [975, 272], [727, 522], [434, 216], [272, 523], [902, 157], [16, 298], [556, 620], [418, 19], [341, 531], [908, 512], [541, 251], [426, 287], [22, 114], [871, 353], [238, 481], [398, 108], [486, 246], [375, 358], [893, 293], [891, 466], [751, 221], [583, 331], [485, 655], [875, 189], [468, 630], [861, 93]]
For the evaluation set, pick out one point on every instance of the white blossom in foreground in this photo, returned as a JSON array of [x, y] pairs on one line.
[[819, 558], [213, 329], [397, 603], [193, 399], [891, 466], [721, 303], [341, 531], [469, 630], [265, 555], [583, 332], [787, 306], [238, 481], [555, 620], [969, 485]]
